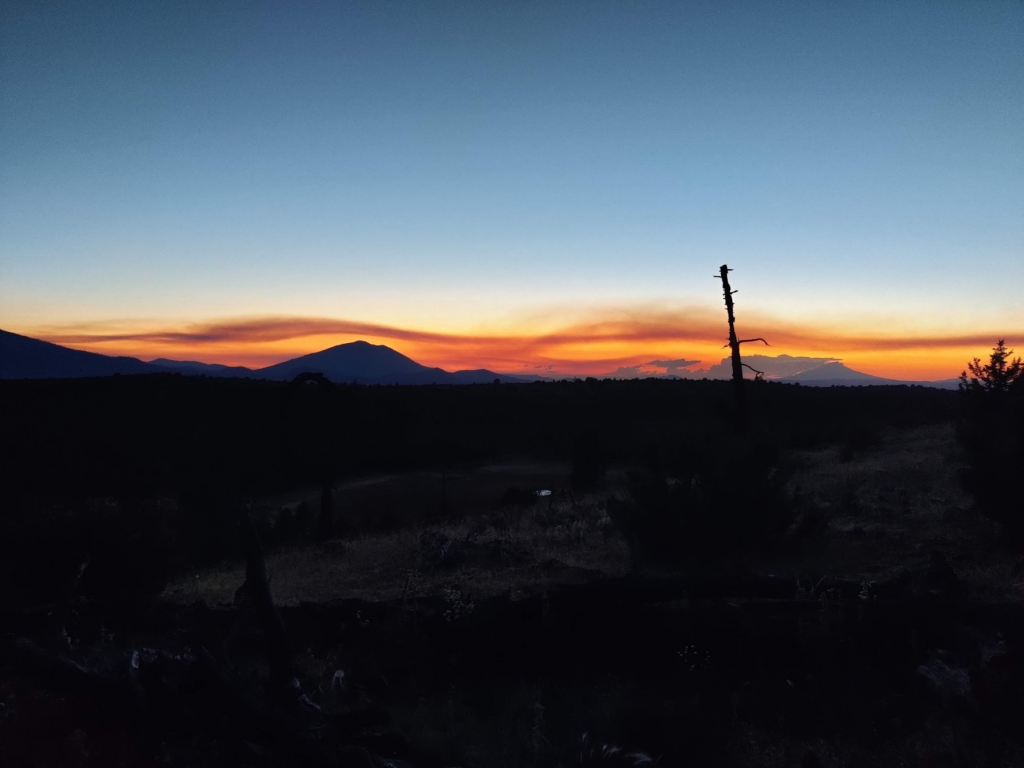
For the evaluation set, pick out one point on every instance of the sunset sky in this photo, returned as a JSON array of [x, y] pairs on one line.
[[522, 186]]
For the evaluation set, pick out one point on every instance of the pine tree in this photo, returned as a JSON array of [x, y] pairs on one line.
[[991, 432], [999, 375]]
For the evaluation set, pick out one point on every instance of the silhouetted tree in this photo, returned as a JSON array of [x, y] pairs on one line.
[[742, 418], [999, 375], [991, 432]]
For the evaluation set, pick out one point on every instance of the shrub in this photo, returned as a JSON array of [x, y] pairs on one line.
[[436, 549], [128, 548], [288, 525], [514, 496], [132, 549], [858, 437], [726, 500], [589, 462]]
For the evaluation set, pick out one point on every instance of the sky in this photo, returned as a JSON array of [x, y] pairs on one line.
[[522, 186]]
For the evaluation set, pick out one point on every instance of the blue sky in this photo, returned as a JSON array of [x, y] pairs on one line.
[[458, 165]]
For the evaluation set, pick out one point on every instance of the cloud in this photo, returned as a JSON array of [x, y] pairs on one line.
[[673, 367], [618, 339], [653, 369], [625, 326], [264, 329], [673, 363], [625, 372]]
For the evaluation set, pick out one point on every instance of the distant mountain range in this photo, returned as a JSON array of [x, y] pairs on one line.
[[838, 375], [205, 369], [359, 362]]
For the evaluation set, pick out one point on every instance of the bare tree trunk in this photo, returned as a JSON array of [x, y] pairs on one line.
[[278, 655], [734, 345], [742, 414]]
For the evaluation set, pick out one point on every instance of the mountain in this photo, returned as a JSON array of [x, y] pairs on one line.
[[206, 369], [835, 374], [22, 357], [481, 376], [363, 363], [529, 378], [358, 362], [838, 375]]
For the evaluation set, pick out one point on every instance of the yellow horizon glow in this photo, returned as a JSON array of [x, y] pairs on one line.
[[582, 344]]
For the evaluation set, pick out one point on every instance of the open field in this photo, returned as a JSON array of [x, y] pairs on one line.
[[382, 501], [884, 509]]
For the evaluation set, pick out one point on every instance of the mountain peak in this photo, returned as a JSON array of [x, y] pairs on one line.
[[360, 362], [357, 344], [836, 373]]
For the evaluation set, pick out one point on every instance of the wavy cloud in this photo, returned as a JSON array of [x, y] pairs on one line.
[[661, 327], [619, 340]]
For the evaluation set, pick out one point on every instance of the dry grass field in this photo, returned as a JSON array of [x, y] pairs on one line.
[[885, 510]]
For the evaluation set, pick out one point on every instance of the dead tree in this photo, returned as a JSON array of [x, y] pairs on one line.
[[323, 458], [742, 416], [256, 588]]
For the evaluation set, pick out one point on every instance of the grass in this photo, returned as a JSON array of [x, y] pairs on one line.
[[522, 549], [889, 507], [885, 509]]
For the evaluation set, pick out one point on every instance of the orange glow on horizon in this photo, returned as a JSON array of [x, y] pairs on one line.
[[595, 346]]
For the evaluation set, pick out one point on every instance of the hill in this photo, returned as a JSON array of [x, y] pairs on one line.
[[22, 357], [203, 369]]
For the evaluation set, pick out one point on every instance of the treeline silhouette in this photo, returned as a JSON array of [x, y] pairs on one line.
[[197, 437]]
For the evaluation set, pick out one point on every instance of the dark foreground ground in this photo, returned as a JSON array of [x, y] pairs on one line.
[[475, 626]]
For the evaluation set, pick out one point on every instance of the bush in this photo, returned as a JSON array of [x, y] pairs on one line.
[[288, 525], [726, 500], [131, 550], [589, 462], [514, 496], [991, 433], [128, 549]]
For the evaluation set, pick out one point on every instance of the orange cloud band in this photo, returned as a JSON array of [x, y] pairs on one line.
[[595, 346]]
